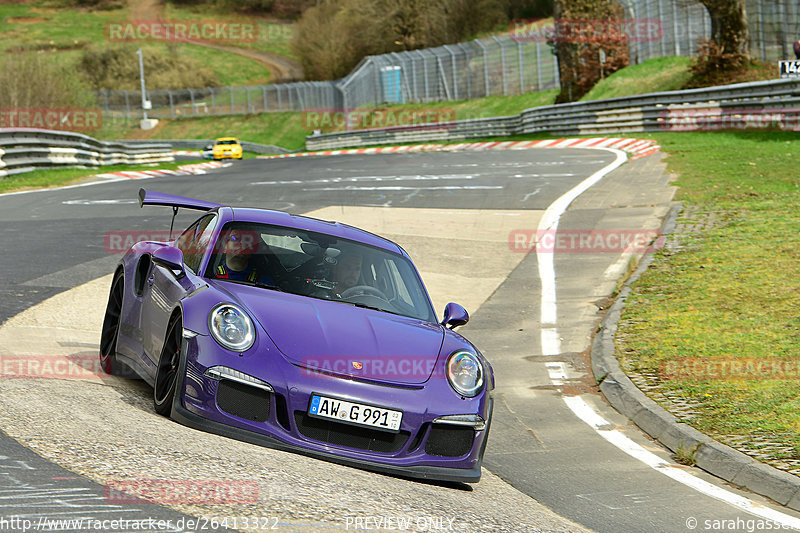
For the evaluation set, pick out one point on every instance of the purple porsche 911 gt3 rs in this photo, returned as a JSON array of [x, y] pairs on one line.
[[302, 335]]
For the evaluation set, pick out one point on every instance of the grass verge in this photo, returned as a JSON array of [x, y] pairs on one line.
[[57, 177], [715, 322]]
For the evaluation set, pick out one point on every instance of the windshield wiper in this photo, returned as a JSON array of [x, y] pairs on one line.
[[258, 284], [365, 306]]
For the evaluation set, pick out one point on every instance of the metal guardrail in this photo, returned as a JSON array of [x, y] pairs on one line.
[[773, 103], [24, 150]]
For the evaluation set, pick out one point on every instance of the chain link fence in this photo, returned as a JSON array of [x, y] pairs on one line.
[[774, 25], [511, 64]]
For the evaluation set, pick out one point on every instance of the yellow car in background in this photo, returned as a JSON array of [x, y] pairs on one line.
[[226, 148]]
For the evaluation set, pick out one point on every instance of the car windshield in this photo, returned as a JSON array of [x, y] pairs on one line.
[[320, 266], [227, 141]]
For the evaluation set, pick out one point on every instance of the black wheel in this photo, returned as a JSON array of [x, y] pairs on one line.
[[168, 366], [110, 331]]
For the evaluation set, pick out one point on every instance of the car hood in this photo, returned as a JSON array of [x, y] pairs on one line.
[[337, 338]]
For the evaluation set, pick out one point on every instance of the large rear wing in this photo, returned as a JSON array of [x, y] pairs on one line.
[[174, 201]]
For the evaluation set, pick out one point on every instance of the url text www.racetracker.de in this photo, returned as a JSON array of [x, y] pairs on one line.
[[24, 525]]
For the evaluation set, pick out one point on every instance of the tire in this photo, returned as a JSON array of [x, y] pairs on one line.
[[169, 364], [110, 331]]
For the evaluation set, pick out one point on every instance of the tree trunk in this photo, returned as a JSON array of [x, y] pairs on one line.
[[728, 25]]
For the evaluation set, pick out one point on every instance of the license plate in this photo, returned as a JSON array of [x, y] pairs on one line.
[[355, 413]]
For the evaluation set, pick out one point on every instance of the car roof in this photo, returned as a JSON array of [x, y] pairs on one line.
[[227, 139], [336, 229]]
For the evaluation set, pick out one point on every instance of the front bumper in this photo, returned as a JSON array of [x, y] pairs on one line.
[[422, 449]]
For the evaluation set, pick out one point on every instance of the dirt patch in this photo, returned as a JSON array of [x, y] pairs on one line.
[[26, 20]]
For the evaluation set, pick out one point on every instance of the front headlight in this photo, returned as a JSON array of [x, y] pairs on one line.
[[231, 327], [465, 373]]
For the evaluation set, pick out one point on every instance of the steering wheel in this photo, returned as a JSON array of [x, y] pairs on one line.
[[368, 289]]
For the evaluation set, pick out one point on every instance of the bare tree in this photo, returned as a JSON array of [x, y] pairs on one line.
[[728, 25], [589, 43]]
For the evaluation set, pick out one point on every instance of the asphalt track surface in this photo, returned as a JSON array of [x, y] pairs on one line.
[[453, 212]]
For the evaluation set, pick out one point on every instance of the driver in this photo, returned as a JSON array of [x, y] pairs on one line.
[[239, 263], [346, 272]]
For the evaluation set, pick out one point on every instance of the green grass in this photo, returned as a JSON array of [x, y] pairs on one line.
[[653, 75], [732, 294], [65, 32], [45, 178]]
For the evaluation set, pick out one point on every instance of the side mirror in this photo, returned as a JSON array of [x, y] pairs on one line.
[[454, 316], [171, 258]]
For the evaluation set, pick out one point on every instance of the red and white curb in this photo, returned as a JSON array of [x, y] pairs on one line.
[[636, 148], [194, 168], [188, 153]]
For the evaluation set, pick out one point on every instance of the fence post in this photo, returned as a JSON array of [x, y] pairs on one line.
[[502, 64], [675, 35], [233, 104], [469, 69], [249, 105], [425, 75], [784, 18], [453, 64], [213, 102], [171, 105], [661, 20], [521, 68], [539, 65], [194, 107], [264, 95], [485, 67], [761, 44]]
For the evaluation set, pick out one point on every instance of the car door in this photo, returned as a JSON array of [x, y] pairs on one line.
[[165, 288]]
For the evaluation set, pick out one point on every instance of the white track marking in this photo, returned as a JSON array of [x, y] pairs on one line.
[[400, 188], [551, 345]]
